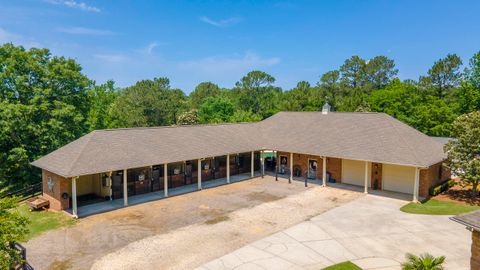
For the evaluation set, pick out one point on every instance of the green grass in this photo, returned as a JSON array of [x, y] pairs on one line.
[[42, 221], [435, 207], [343, 266]]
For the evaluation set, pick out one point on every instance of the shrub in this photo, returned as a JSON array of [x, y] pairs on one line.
[[434, 191]]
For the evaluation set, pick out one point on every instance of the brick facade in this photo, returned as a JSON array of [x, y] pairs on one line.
[[475, 257], [60, 185], [334, 165], [431, 177]]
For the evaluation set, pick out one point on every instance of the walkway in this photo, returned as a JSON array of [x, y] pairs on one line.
[[370, 231], [106, 206]]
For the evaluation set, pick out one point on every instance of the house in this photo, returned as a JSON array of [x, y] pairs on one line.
[[372, 150], [472, 222]]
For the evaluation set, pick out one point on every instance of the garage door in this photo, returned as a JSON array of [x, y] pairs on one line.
[[353, 172], [398, 178]]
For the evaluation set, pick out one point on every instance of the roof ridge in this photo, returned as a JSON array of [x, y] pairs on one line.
[[412, 150], [81, 151], [320, 112], [176, 126]]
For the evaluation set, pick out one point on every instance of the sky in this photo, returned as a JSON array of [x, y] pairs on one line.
[[220, 41]]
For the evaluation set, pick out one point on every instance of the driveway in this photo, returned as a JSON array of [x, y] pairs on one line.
[[370, 231], [185, 231]]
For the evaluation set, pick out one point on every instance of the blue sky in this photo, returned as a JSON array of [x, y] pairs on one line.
[[220, 41]]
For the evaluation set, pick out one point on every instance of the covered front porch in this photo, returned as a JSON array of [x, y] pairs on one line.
[[103, 192]]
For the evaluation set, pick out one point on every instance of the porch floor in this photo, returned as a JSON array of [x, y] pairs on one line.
[[106, 206], [316, 181]]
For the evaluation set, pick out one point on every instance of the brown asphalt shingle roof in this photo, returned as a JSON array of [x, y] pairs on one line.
[[471, 220], [375, 137]]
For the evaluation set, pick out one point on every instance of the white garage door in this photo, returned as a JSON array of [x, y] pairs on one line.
[[353, 172], [398, 178]]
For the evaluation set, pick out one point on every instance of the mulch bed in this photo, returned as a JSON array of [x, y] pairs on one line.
[[459, 193]]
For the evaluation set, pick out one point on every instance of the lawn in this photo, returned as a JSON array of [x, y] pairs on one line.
[[42, 221], [435, 207], [343, 266]]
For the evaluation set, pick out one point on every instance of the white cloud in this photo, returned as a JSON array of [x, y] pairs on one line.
[[221, 23], [74, 4], [85, 31], [220, 64], [149, 49], [113, 58]]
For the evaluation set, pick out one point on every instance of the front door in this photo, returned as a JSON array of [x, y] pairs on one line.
[[282, 169], [117, 185], [312, 169]]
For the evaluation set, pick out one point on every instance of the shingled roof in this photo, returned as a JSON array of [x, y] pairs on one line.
[[374, 137], [471, 220]]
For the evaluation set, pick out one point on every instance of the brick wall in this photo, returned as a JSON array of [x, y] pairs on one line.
[[54, 195], [432, 176], [475, 257], [334, 165], [301, 161]]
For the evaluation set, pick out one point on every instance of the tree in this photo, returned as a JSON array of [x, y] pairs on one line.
[[43, 106], [101, 98], [423, 262], [297, 99], [13, 228], [380, 71], [464, 151], [203, 91], [329, 85], [469, 91], [188, 118], [353, 72], [444, 74], [216, 110], [256, 93], [148, 103], [243, 116]]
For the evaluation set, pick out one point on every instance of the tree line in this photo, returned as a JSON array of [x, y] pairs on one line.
[[46, 101]]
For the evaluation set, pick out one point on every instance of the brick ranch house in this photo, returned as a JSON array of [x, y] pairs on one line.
[[372, 150]]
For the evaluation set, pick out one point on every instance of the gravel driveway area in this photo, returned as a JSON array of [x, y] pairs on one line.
[[185, 231], [371, 232]]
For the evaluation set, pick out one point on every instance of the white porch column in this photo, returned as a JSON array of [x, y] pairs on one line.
[[228, 169], [365, 184], [324, 171], [109, 179], [199, 173], [291, 168], [416, 185], [74, 196], [125, 188], [165, 180], [262, 163], [252, 165]]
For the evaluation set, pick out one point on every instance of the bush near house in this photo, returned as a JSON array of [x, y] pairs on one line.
[[434, 191]]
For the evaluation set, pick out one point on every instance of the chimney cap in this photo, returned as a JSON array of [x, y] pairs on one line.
[[326, 108]]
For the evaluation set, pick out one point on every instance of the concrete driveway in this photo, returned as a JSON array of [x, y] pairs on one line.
[[185, 231], [370, 231]]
